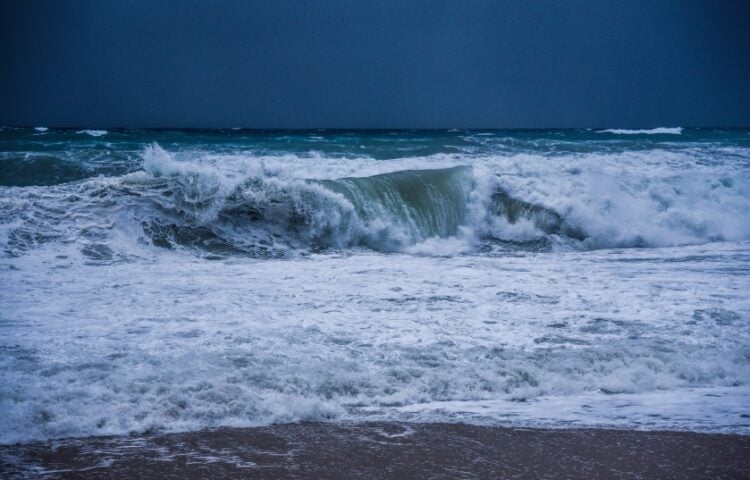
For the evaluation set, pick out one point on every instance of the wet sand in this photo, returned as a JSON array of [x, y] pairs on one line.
[[387, 451]]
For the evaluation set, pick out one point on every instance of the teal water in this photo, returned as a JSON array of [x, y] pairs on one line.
[[31, 157]]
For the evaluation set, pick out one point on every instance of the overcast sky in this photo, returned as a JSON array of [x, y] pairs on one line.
[[375, 63]]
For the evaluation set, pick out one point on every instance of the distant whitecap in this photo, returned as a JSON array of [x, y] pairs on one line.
[[648, 131], [93, 133]]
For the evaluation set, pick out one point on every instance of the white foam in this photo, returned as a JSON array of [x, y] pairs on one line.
[[650, 131], [712, 410], [462, 243], [93, 133], [683, 199], [41, 129], [174, 342]]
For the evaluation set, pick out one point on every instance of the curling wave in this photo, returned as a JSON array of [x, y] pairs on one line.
[[263, 211], [397, 211]]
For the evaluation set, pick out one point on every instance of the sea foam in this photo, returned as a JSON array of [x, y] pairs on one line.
[[93, 133], [649, 131]]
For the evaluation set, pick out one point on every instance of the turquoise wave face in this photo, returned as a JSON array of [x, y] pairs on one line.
[[420, 203]]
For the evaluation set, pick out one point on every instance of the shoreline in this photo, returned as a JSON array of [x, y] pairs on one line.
[[380, 450]]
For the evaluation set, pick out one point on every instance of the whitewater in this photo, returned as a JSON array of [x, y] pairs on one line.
[[180, 280]]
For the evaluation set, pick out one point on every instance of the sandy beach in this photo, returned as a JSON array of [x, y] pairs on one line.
[[387, 451]]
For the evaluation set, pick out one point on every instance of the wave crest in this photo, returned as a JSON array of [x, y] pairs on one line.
[[647, 131], [258, 207]]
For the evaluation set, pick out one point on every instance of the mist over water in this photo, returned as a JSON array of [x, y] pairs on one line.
[[173, 280]]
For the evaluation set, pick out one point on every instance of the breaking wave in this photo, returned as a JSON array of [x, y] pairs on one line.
[[129, 304], [263, 210], [398, 210], [93, 133], [650, 131]]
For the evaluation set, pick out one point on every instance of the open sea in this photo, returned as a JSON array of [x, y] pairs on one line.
[[163, 281]]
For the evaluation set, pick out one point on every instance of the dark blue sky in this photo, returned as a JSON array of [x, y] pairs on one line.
[[375, 64]]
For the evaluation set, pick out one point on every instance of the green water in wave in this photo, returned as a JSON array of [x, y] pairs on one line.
[[428, 203]]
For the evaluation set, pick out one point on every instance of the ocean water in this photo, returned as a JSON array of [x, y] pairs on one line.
[[179, 280]]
